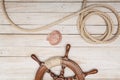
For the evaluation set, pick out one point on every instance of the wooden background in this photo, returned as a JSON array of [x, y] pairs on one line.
[[16, 46]]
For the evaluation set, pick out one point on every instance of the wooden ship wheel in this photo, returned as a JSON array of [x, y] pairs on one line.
[[63, 62]]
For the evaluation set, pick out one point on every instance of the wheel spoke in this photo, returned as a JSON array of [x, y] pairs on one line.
[[62, 71], [53, 75], [36, 59]]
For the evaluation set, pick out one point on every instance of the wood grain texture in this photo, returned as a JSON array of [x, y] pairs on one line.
[[65, 0], [51, 7], [40, 40], [45, 18], [64, 29], [16, 46]]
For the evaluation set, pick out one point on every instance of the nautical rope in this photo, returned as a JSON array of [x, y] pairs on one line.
[[83, 14], [54, 61]]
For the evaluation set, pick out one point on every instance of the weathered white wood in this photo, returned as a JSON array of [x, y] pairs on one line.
[[51, 7], [45, 18], [106, 60], [41, 40], [64, 29], [64, 0], [59, 51]]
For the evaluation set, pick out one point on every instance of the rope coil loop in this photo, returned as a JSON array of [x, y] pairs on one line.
[[83, 14], [107, 36]]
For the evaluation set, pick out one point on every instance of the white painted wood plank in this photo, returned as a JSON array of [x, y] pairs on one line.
[[58, 50], [64, 29], [50, 7], [45, 18], [63, 0], [40, 40], [24, 66], [42, 7]]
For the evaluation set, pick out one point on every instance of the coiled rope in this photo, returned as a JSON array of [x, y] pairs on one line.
[[83, 14]]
